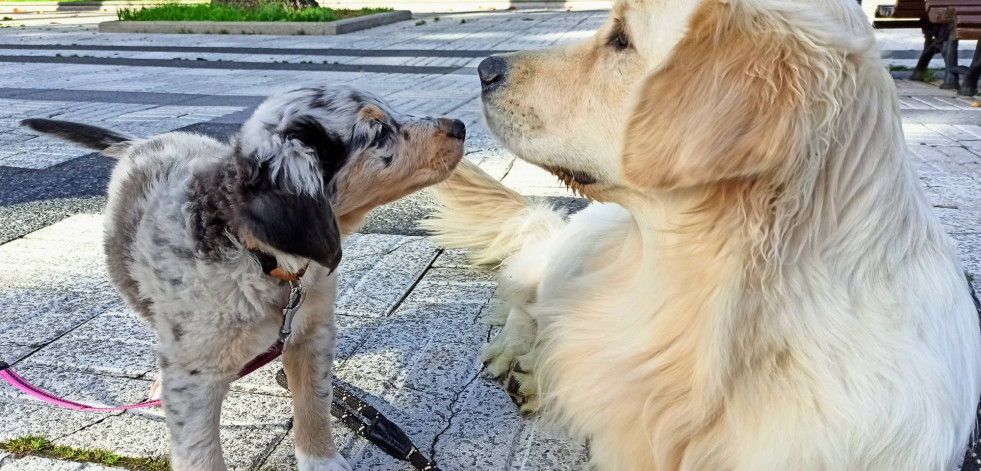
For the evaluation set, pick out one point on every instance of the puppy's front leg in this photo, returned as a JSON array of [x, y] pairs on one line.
[[192, 403], [308, 362]]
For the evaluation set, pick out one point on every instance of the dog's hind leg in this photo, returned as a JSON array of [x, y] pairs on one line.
[[192, 405], [309, 365]]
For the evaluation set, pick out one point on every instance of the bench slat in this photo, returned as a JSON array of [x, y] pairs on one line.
[[968, 33]]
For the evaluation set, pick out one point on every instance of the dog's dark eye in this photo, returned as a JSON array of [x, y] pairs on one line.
[[619, 40]]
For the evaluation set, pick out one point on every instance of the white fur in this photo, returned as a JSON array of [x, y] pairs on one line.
[[310, 463]]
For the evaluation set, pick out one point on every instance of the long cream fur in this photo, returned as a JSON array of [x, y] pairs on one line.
[[767, 288]]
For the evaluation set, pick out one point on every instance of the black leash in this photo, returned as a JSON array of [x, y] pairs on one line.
[[972, 460], [370, 424]]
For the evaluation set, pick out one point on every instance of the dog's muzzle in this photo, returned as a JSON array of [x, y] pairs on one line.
[[493, 73]]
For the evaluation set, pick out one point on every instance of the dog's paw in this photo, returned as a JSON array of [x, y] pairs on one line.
[[501, 353], [156, 391], [305, 462], [522, 385], [499, 356]]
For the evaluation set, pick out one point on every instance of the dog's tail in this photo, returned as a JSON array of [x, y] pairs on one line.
[[109, 143], [476, 212]]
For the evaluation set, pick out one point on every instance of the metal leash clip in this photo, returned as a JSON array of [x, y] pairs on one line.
[[297, 295]]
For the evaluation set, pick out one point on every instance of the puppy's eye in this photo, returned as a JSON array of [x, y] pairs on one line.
[[619, 40]]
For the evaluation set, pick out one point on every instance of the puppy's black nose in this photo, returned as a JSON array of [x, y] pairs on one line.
[[493, 71], [454, 128]]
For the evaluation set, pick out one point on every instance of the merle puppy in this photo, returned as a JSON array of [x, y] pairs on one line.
[[191, 221]]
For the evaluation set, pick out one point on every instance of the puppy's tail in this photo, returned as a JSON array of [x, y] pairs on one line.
[[476, 212], [110, 143]]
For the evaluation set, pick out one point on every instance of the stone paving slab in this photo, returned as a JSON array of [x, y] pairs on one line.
[[33, 463]]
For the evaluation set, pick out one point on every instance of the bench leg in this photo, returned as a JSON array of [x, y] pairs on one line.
[[931, 47], [951, 81], [969, 87]]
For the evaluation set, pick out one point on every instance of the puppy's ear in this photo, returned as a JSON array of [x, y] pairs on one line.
[[299, 225], [727, 104], [284, 202], [329, 148], [369, 128]]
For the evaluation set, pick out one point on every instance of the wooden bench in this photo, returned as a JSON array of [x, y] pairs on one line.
[[944, 23]]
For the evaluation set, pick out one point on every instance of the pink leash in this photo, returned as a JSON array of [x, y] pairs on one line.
[[31, 390]]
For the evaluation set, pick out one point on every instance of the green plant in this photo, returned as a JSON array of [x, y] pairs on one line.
[[40, 446], [6, 18], [420, 22], [266, 12], [462, 22], [436, 20]]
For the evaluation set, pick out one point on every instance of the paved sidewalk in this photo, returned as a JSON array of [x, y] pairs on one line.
[[411, 315]]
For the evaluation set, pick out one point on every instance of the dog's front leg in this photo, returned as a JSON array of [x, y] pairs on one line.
[[308, 362], [192, 403]]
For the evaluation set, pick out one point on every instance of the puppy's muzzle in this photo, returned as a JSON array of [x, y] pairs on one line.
[[454, 128], [493, 73]]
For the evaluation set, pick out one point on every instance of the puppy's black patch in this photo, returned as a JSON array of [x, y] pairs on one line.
[[329, 147], [300, 225]]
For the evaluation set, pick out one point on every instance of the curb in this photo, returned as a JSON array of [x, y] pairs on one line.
[[256, 27]]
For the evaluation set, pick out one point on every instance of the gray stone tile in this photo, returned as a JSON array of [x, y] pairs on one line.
[[544, 447], [110, 357], [85, 388], [35, 318], [35, 463], [243, 410], [12, 353], [378, 270], [113, 325], [452, 258], [484, 424], [131, 435], [19, 419], [969, 248]]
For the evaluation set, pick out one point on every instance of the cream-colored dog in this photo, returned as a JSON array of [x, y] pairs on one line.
[[765, 287]]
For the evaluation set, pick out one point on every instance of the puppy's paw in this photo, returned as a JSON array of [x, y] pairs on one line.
[[522, 385], [305, 462], [156, 391]]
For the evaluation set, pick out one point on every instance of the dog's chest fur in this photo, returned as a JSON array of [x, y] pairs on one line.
[[169, 251]]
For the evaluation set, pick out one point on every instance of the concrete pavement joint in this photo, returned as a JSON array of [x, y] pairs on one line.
[[230, 65], [264, 50]]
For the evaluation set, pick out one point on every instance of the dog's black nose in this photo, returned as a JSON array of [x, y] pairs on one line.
[[454, 128], [492, 70]]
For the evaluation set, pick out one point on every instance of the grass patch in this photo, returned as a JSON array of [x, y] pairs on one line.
[[267, 12], [40, 446]]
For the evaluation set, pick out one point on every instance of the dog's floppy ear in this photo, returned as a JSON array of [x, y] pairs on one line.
[[727, 104], [299, 225], [285, 205]]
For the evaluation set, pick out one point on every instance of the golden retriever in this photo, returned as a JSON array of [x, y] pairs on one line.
[[764, 285]]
